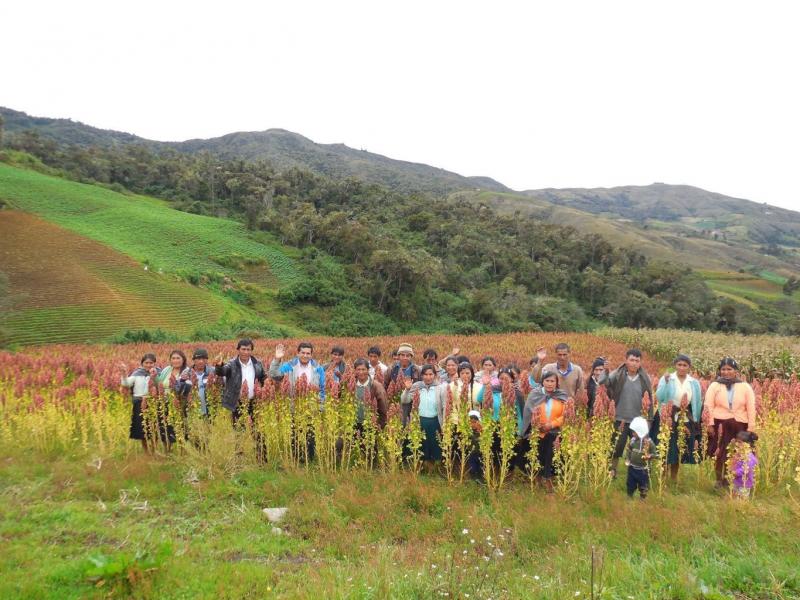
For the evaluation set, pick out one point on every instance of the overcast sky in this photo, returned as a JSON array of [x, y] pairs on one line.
[[557, 94]]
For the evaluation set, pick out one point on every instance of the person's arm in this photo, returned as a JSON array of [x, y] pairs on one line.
[[662, 390], [626, 455], [750, 398], [164, 375], [321, 386], [653, 449], [381, 403], [536, 371], [408, 392], [708, 403], [581, 383]]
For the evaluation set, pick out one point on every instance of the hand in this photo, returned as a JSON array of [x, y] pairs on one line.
[[627, 463], [684, 402], [455, 351], [541, 354], [667, 375], [153, 372], [184, 376], [123, 367], [280, 351], [606, 365], [219, 359], [407, 382]]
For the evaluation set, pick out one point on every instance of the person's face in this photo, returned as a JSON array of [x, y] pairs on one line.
[[562, 356], [634, 435], [428, 377], [200, 363], [405, 358], [362, 373], [550, 384], [148, 364], [488, 367], [336, 358], [727, 371], [374, 359], [465, 375], [304, 354], [176, 361], [451, 367], [598, 372], [506, 378], [633, 363], [244, 353], [682, 368], [474, 423], [431, 359]]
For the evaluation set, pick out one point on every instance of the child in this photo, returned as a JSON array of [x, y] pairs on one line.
[[474, 466], [744, 464], [639, 451], [139, 382]]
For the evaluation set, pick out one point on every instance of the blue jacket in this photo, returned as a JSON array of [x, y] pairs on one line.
[[278, 370], [667, 390]]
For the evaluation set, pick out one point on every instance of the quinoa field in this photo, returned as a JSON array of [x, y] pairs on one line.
[[85, 513]]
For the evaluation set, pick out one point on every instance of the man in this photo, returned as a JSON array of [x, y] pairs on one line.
[[570, 376], [364, 383], [403, 367], [240, 373], [626, 385], [200, 374], [375, 364], [431, 357], [598, 368], [336, 365], [302, 364]]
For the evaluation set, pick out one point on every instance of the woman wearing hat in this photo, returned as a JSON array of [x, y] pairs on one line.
[[731, 403], [683, 392]]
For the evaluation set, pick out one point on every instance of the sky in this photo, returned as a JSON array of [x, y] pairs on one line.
[[533, 94]]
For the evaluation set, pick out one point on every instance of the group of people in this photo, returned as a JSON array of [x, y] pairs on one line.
[[435, 391]]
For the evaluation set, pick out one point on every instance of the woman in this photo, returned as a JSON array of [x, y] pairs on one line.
[[486, 378], [732, 404], [508, 380], [430, 409], [177, 379], [542, 417], [682, 391], [598, 368], [450, 370], [139, 384]]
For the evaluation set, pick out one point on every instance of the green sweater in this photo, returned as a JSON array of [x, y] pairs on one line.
[[635, 451]]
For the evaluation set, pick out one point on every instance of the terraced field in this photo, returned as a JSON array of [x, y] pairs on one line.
[[67, 288], [146, 229]]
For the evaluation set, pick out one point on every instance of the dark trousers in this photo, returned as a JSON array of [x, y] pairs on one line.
[[545, 452], [725, 431], [638, 479], [622, 432]]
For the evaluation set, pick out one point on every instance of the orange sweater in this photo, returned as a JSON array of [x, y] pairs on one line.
[[744, 403], [556, 415]]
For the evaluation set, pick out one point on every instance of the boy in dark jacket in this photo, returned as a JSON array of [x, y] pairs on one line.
[[638, 454]]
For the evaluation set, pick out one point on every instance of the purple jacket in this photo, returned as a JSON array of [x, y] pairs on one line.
[[739, 469]]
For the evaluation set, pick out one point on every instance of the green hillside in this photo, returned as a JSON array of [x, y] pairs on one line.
[[97, 263], [145, 228]]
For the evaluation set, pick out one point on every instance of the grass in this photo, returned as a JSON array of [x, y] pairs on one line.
[[144, 228], [371, 536]]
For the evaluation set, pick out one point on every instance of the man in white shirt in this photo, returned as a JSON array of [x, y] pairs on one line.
[[375, 364]]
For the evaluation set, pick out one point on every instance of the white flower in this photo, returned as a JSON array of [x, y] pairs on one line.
[[465, 531], [472, 541], [536, 577]]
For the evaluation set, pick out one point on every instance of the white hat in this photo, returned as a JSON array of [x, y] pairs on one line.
[[639, 425], [474, 413]]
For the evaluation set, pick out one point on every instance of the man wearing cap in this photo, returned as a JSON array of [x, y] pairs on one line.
[[200, 374], [404, 366]]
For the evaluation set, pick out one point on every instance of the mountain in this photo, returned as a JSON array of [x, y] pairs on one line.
[[282, 148], [745, 250]]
